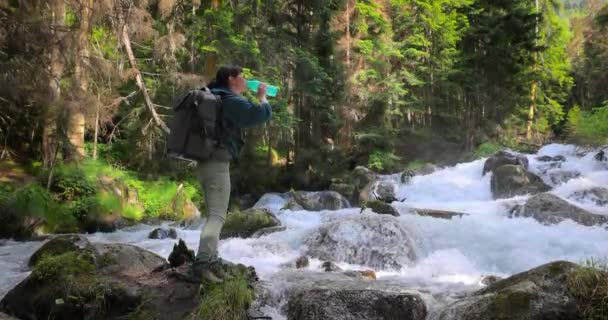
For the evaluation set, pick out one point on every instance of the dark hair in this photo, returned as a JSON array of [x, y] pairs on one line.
[[222, 75]]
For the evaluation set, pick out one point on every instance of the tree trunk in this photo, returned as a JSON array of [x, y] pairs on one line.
[[96, 130], [76, 119], [532, 108], [211, 58], [49, 134]]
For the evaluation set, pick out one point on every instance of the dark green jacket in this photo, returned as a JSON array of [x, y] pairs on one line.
[[239, 113]]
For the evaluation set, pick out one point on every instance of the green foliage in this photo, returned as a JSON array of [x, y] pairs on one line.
[[486, 149], [589, 127], [6, 190], [384, 161], [70, 17], [71, 182], [589, 285], [63, 266], [33, 200], [416, 164], [227, 301], [106, 42]]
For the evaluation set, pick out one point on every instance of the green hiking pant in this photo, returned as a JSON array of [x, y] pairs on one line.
[[214, 177]]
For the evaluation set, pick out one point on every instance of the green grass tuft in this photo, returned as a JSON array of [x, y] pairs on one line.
[[588, 284], [227, 301]]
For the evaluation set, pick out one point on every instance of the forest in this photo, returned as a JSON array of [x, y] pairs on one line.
[[383, 84]]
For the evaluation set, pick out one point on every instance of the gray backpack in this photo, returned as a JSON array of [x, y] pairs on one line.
[[196, 127]]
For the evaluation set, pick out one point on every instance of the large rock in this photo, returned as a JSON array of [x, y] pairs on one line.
[[549, 209], [163, 233], [502, 158], [513, 180], [558, 158], [244, 224], [562, 176], [361, 176], [104, 281], [597, 195], [267, 231], [338, 304], [320, 200], [425, 169], [537, 294], [380, 207], [347, 190], [379, 190], [86, 281], [377, 241]]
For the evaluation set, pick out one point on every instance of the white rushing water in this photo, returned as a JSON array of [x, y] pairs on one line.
[[453, 255]]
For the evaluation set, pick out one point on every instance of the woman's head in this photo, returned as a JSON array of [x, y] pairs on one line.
[[230, 77]]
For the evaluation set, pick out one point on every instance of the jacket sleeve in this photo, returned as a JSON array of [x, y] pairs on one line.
[[244, 113]]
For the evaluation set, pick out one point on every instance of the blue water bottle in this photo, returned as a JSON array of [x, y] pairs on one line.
[[271, 91]]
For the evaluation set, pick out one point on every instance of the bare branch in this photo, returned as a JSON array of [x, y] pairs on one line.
[[139, 80]]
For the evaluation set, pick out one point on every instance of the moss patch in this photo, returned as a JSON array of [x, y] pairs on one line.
[[510, 305], [63, 266]]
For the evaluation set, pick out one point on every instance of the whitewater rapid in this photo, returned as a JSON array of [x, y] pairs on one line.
[[453, 255]]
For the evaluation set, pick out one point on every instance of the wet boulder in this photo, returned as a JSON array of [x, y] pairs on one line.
[[244, 224], [597, 195], [267, 231], [380, 208], [558, 158], [379, 190], [562, 176], [425, 169], [355, 303], [537, 294], [347, 190], [329, 266], [513, 180], [502, 158], [361, 176], [549, 209], [320, 200], [163, 233], [377, 241]]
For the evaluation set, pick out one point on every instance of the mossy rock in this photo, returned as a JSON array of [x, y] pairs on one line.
[[380, 207], [513, 180], [75, 279], [537, 294], [59, 245], [244, 224]]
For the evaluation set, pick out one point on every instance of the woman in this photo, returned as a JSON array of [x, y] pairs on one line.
[[214, 174]]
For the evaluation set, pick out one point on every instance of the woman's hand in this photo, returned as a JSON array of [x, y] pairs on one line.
[[262, 91]]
